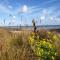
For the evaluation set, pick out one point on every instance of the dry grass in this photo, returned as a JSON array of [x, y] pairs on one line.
[[14, 45]]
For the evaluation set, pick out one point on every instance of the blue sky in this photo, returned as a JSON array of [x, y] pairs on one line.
[[16, 12]]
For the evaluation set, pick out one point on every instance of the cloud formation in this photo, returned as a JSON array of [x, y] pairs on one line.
[[24, 9], [47, 11]]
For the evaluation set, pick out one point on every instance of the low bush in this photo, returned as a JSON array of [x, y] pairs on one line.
[[42, 43]]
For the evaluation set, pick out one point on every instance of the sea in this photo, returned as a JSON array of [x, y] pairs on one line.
[[31, 27]]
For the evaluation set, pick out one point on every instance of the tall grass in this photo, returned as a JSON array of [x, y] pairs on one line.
[[15, 45]]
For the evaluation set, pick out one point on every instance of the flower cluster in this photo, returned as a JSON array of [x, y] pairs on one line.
[[44, 48]]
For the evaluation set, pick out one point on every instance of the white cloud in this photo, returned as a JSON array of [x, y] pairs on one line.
[[45, 12], [42, 17], [13, 21], [29, 10], [24, 9], [14, 17], [51, 18]]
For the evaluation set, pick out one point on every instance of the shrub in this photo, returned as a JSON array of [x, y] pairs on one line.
[[45, 50], [43, 46]]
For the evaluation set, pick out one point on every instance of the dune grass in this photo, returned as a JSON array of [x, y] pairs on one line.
[[15, 45]]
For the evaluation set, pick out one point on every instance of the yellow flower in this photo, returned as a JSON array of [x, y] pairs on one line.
[[55, 54], [49, 32], [52, 58], [44, 42], [55, 37], [31, 41], [50, 46]]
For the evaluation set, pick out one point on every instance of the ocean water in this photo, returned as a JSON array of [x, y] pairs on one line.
[[31, 27]]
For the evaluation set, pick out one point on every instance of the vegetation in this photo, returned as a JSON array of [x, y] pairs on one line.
[[27, 45], [43, 46]]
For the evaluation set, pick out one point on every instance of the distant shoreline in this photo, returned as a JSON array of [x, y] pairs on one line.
[[47, 27], [29, 28]]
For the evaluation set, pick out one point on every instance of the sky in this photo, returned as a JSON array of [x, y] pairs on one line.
[[22, 12]]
